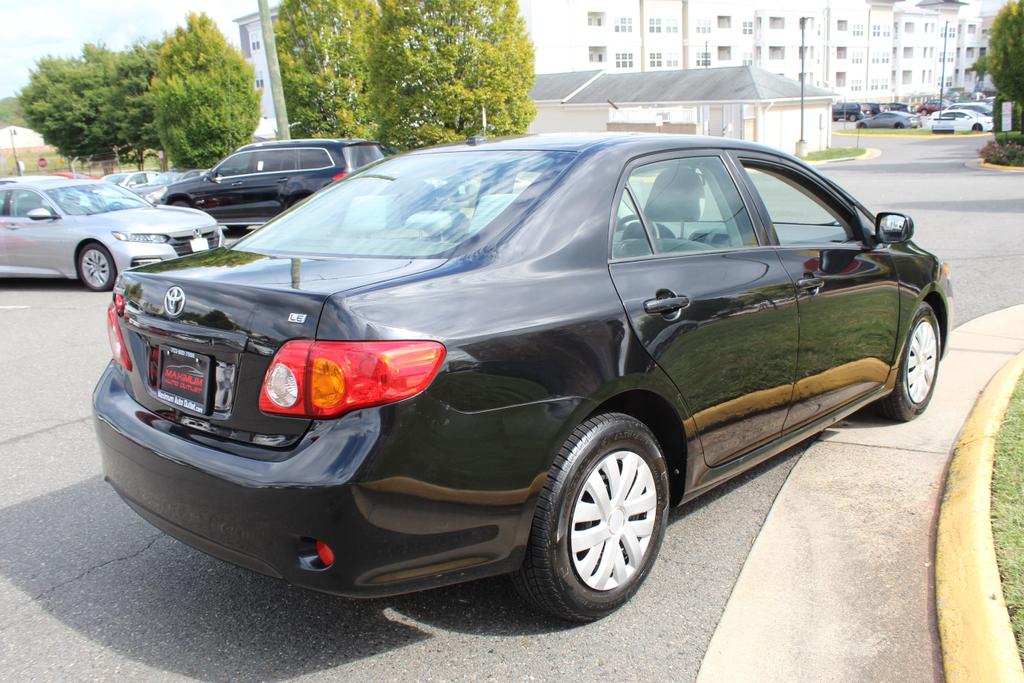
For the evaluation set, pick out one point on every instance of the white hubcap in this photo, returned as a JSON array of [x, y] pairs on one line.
[[95, 267], [613, 520], [922, 362]]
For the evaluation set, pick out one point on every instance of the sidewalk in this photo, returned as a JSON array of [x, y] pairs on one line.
[[839, 584]]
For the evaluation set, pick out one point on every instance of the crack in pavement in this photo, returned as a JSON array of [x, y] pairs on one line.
[[21, 437]]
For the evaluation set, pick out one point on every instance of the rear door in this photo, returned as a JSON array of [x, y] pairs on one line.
[[709, 301], [847, 289]]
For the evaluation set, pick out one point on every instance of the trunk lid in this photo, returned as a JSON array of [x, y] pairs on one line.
[[223, 324]]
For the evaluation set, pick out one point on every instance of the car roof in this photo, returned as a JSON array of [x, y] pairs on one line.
[[582, 142], [305, 142], [46, 181]]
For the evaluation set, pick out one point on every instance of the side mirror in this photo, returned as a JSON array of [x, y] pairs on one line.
[[40, 213], [892, 228], [213, 175]]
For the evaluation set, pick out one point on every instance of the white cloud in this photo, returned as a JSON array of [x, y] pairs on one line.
[[38, 28]]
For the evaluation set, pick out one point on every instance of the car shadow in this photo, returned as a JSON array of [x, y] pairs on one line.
[[82, 556], [44, 284]]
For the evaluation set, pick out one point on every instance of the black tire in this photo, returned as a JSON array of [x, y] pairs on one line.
[[548, 577], [90, 264], [898, 125], [181, 202], [851, 118], [861, 124], [976, 128], [899, 405]]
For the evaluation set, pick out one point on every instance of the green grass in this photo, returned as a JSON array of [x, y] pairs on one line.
[[1008, 511], [834, 153]]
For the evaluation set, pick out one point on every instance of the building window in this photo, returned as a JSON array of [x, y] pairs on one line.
[[908, 53], [703, 26], [724, 53], [259, 81], [842, 25], [840, 53], [856, 85], [748, 59], [624, 25], [908, 27], [949, 81], [724, 22], [886, 30], [654, 25], [672, 25], [255, 46], [840, 79], [595, 18], [776, 52], [970, 53], [777, 22], [597, 54], [672, 60], [858, 29], [928, 27], [876, 30], [884, 84], [908, 77], [874, 84], [703, 59], [655, 60], [623, 60], [858, 57], [748, 28], [972, 29]]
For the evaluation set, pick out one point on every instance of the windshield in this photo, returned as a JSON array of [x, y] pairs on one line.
[[416, 206], [115, 177], [86, 200]]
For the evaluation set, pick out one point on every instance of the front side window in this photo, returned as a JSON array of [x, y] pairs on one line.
[[415, 206], [236, 164], [93, 198], [800, 215], [23, 201], [691, 205]]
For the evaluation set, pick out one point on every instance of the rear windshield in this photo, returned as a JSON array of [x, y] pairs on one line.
[[416, 206]]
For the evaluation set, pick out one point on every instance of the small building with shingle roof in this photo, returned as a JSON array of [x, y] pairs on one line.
[[743, 102]]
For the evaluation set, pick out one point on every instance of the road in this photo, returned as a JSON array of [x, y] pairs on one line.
[[88, 590]]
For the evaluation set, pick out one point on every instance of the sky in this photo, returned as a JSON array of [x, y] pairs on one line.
[[31, 29]]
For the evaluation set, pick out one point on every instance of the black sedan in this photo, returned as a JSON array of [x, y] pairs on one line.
[[508, 357], [891, 119]]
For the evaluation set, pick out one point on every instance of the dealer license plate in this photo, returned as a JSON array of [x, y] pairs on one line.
[[199, 244], [184, 379]]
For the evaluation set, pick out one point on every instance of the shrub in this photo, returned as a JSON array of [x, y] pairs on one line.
[[1009, 153]]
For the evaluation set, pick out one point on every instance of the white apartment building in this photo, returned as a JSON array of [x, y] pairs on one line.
[[250, 39], [867, 50]]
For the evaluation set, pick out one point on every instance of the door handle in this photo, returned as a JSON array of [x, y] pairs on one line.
[[282, 180], [237, 182], [665, 304], [811, 285]]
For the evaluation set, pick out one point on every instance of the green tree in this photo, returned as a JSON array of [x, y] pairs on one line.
[[1006, 53], [434, 64], [11, 113], [323, 47], [65, 99], [980, 67], [130, 113], [206, 104]]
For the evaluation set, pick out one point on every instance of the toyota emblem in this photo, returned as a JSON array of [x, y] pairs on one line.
[[174, 301]]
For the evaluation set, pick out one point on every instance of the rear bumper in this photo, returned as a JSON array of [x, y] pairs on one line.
[[390, 534]]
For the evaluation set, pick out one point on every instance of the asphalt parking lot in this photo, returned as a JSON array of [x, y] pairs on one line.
[[88, 590]]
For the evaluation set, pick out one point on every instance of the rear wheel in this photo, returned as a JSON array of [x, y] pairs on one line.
[[861, 124], [898, 125], [96, 267], [918, 371], [976, 128], [180, 202], [599, 522], [851, 118]]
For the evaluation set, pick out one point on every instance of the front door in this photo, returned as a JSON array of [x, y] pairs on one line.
[[847, 290], [712, 305], [220, 192], [35, 247]]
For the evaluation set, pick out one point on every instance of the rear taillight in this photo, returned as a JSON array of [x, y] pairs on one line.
[[340, 175], [117, 347], [325, 379]]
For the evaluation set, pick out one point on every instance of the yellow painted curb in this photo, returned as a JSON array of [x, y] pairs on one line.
[[974, 627], [999, 167], [959, 136]]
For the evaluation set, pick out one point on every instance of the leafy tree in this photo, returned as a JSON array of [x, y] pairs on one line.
[[323, 47], [11, 113], [206, 104], [1006, 52], [980, 67], [435, 63], [130, 113], [65, 98]]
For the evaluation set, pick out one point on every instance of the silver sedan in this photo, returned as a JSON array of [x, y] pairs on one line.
[[91, 230]]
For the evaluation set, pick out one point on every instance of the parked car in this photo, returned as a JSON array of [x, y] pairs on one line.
[[131, 179], [263, 179], [70, 175], [460, 364], [156, 188], [978, 107], [932, 106], [890, 119], [896, 106], [91, 230], [960, 120], [191, 173], [870, 108], [849, 111]]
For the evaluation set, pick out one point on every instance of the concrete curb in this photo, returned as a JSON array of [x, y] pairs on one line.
[[978, 163], [869, 153], [958, 136], [974, 627]]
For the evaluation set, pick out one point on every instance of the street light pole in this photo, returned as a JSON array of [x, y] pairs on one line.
[[801, 145], [942, 81], [274, 69], [14, 150]]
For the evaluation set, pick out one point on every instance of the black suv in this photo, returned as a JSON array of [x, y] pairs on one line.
[[263, 179], [847, 110]]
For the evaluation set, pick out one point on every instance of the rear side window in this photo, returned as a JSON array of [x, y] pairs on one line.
[[310, 159], [798, 212], [629, 239], [415, 206], [692, 204], [358, 156]]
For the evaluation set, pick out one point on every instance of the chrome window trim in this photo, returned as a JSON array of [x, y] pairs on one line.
[[297, 170]]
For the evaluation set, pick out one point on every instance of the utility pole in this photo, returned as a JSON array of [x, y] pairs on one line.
[[14, 149], [276, 90], [801, 145], [942, 81]]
